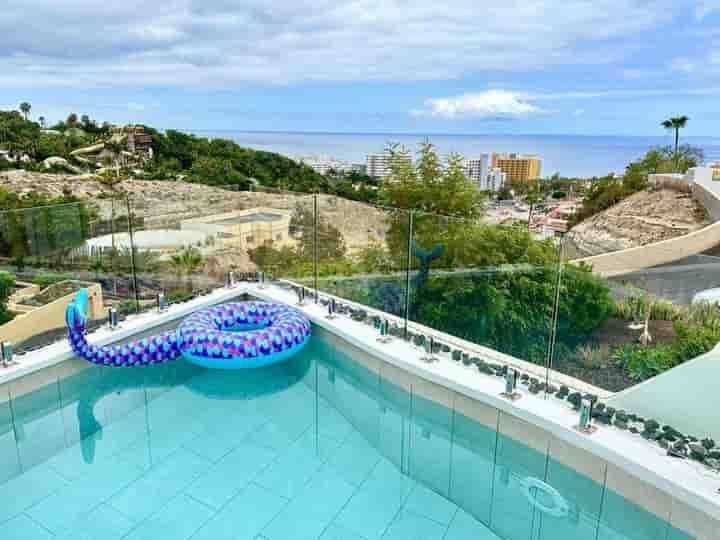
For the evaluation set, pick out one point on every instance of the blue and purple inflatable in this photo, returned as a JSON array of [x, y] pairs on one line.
[[228, 336]]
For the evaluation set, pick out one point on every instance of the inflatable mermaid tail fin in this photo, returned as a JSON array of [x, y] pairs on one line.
[[426, 256], [77, 310]]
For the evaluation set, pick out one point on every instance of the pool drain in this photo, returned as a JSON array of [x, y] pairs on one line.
[[544, 497]]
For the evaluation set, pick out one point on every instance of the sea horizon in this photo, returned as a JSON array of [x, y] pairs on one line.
[[569, 155]]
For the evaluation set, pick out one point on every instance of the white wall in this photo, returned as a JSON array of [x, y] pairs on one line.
[[686, 397]]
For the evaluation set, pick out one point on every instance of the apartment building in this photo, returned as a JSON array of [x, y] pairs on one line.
[[380, 165], [518, 167]]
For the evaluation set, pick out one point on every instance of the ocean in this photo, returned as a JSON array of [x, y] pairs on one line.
[[569, 155]]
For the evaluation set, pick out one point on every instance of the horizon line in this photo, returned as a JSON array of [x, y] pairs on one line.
[[431, 134]]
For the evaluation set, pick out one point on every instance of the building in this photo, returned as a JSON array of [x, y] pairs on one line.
[[246, 229], [477, 169], [380, 165], [324, 165], [715, 169], [693, 175], [495, 180], [518, 167], [555, 223]]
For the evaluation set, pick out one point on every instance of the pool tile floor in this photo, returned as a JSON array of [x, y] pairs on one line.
[[168, 473]]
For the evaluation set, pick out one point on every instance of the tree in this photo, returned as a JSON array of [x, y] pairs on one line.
[[676, 123], [7, 280], [427, 187], [41, 121], [25, 109], [188, 261], [72, 120], [532, 196]]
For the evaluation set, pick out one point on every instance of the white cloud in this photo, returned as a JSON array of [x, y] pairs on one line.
[[133, 106], [682, 64], [705, 8], [578, 112], [225, 43], [488, 104]]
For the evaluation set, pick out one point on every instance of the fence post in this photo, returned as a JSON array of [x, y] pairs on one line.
[[316, 247], [552, 336], [132, 254], [407, 271]]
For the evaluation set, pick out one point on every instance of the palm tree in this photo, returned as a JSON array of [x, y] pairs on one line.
[[188, 261], [25, 109], [97, 265], [676, 123], [41, 120]]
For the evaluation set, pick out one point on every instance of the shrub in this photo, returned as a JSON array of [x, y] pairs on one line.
[[7, 280], [643, 363], [49, 278], [635, 309], [592, 357], [696, 339], [702, 313]]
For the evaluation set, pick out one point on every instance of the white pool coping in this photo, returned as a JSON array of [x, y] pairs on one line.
[[687, 481]]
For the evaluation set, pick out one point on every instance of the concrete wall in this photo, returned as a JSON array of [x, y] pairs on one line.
[[706, 192], [49, 317], [685, 397], [633, 259]]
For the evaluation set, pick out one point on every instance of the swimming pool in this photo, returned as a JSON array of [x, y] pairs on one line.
[[325, 447]]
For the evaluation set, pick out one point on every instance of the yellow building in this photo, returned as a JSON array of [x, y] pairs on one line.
[[245, 229], [716, 170], [518, 167]]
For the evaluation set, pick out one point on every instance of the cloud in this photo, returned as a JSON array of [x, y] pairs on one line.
[[705, 8], [133, 106], [488, 104], [224, 43], [578, 112]]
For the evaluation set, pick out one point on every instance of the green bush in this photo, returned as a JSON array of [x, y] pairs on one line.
[[49, 278], [642, 363], [635, 309], [7, 280], [591, 357], [695, 340]]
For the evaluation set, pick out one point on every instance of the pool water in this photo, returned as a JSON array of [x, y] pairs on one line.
[[319, 448]]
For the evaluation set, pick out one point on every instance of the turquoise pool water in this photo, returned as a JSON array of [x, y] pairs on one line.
[[317, 448]]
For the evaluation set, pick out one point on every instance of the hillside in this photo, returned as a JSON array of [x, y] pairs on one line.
[[643, 218], [166, 203]]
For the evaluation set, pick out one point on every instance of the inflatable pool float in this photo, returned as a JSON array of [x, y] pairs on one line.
[[228, 336]]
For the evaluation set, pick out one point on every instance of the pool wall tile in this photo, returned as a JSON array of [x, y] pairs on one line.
[[399, 377], [578, 460], [433, 392], [521, 454], [643, 495], [34, 381], [474, 410], [524, 433], [687, 522]]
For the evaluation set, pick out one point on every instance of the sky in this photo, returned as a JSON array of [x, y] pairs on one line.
[[595, 67]]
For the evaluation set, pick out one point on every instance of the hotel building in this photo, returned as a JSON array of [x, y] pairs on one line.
[[518, 167]]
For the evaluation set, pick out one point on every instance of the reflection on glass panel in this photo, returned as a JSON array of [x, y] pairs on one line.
[[473, 464], [622, 327], [363, 253], [430, 435], [517, 468], [575, 513], [493, 286], [44, 260]]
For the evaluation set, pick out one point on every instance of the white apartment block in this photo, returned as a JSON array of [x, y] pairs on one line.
[[494, 180], [323, 165], [477, 169], [380, 165]]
